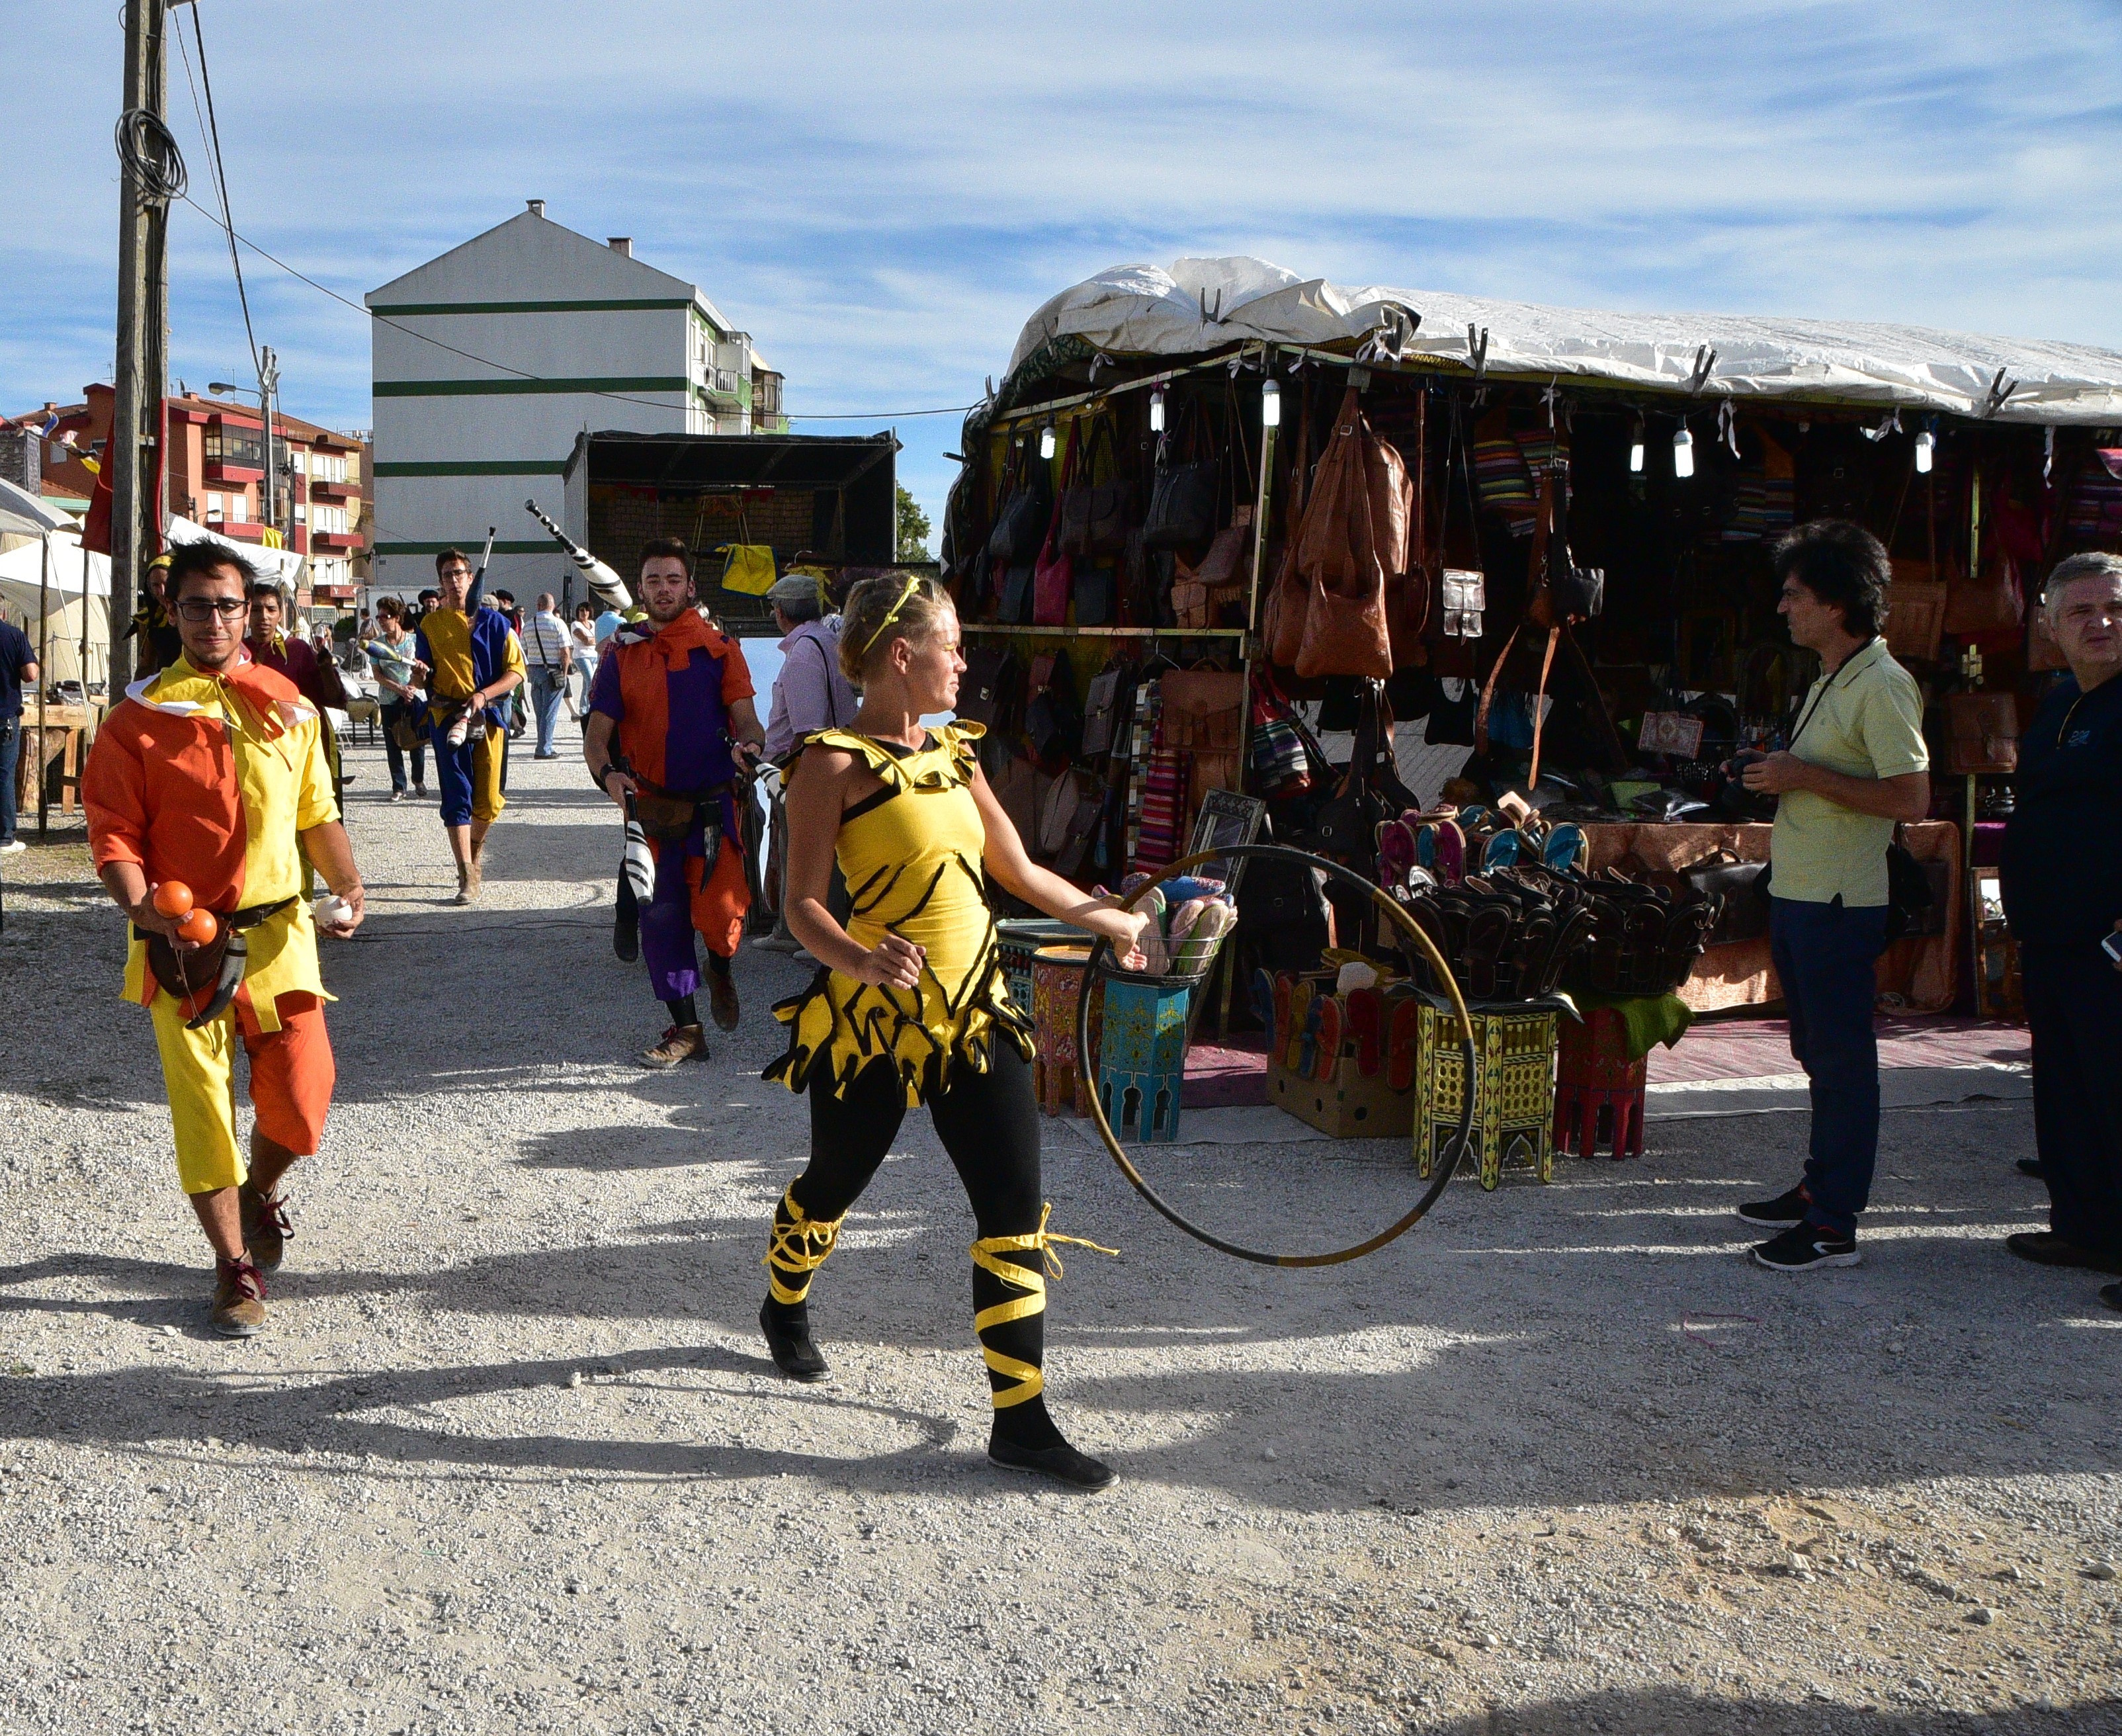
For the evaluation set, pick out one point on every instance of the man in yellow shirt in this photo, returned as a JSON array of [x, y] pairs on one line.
[[211, 776], [1856, 767], [474, 663]]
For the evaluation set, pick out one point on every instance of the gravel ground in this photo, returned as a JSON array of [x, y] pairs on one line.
[[509, 1456]]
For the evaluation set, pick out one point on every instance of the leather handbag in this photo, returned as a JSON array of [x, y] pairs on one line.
[[1741, 890], [1182, 495], [983, 689], [1988, 602], [1096, 516], [1983, 732], [1054, 578], [1021, 523], [1345, 630], [1097, 596], [1013, 585]]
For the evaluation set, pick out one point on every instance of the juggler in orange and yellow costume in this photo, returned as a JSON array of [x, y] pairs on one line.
[[208, 779]]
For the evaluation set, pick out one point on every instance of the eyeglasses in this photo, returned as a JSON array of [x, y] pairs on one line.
[[198, 608]]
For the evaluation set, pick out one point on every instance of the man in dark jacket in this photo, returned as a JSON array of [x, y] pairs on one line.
[[2062, 897]]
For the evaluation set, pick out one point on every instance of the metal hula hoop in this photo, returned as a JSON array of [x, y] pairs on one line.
[[1445, 1166]]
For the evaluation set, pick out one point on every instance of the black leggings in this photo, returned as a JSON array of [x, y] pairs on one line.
[[988, 1123]]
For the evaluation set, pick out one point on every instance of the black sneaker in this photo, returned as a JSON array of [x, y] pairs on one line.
[[1805, 1247], [1780, 1213]]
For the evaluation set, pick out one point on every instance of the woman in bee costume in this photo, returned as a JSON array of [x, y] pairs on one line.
[[909, 1005]]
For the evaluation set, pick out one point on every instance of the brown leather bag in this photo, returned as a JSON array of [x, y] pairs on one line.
[[1345, 630], [1987, 603], [1984, 733]]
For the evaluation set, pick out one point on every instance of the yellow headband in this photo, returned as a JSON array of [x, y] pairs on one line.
[[891, 615]]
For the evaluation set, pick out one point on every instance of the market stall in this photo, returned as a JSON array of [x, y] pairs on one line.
[[1361, 553]]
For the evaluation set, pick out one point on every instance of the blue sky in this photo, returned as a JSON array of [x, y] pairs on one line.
[[883, 194]]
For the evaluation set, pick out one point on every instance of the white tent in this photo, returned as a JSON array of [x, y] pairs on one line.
[[1204, 304], [73, 588]]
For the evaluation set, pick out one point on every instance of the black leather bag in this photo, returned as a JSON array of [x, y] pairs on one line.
[[985, 688], [1019, 525], [1913, 903], [1742, 888], [1018, 592], [1097, 596], [1580, 592], [1182, 497], [1096, 516]]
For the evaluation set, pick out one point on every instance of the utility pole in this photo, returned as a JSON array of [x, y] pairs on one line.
[[148, 156], [268, 389]]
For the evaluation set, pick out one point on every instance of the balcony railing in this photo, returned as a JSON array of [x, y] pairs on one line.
[[339, 542], [320, 489], [236, 469]]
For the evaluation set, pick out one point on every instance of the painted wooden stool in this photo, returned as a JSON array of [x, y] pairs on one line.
[[1599, 1089], [1057, 1071], [1513, 1090], [1142, 1055]]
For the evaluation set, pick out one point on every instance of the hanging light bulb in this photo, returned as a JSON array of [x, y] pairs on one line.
[[1270, 405], [1046, 441], [1683, 452], [1156, 411], [1636, 449], [1926, 451]]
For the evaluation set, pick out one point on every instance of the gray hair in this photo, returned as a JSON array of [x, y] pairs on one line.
[[2073, 569]]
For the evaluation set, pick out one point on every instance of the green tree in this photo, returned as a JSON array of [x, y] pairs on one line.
[[912, 528]]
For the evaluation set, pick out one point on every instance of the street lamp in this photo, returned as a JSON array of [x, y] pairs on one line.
[[268, 389]]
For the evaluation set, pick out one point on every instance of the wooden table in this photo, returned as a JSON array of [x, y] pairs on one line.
[[62, 740]]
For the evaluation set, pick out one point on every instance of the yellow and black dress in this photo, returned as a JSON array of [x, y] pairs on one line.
[[911, 856], [911, 853]]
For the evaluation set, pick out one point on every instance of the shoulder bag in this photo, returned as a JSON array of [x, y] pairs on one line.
[[1182, 495]]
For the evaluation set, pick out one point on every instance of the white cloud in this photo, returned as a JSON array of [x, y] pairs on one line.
[[883, 195]]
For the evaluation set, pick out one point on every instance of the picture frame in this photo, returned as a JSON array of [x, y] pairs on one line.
[[1226, 818]]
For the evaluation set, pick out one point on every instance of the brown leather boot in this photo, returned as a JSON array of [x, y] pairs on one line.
[[681, 1043], [239, 1298], [265, 1227]]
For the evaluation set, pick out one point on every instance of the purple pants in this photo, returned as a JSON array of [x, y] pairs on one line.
[[666, 929]]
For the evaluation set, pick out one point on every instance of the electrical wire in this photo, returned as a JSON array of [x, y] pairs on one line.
[[221, 178], [149, 152]]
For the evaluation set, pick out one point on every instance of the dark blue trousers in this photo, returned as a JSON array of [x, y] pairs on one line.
[[1824, 955], [2074, 1004]]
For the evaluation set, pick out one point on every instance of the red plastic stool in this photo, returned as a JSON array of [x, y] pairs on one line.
[[1598, 1090]]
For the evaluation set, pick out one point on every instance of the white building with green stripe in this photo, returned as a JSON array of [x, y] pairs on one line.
[[491, 359]]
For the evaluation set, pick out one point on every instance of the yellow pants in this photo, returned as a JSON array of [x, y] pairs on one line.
[[291, 1074], [486, 800]]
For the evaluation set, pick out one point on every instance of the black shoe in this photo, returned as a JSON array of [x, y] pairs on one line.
[[788, 1340], [1780, 1213], [1063, 1463], [1805, 1247], [2032, 1166], [2045, 1248], [2111, 1294]]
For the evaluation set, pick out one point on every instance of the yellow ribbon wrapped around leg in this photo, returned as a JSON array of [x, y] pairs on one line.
[[987, 1255], [799, 1247]]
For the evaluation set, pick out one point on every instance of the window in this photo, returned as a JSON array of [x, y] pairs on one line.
[[301, 513], [239, 509], [213, 512], [328, 518], [299, 461]]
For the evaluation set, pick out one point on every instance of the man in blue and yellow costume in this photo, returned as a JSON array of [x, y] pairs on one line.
[[909, 1005], [473, 663]]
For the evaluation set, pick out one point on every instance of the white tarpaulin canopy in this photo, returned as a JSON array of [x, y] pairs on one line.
[[23, 592], [1204, 304], [25, 514], [282, 565]]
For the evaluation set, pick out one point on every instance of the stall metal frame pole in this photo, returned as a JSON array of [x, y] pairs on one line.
[[44, 683]]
